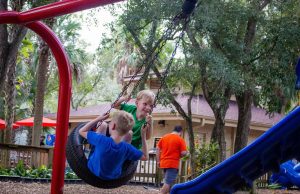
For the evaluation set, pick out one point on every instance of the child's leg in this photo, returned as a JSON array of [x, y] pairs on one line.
[[102, 128], [128, 137]]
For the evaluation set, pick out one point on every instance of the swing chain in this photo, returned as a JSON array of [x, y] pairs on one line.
[[167, 33], [188, 9], [166, 72]]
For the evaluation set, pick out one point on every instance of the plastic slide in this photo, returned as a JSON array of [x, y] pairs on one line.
[[277, 145], [288, 176]]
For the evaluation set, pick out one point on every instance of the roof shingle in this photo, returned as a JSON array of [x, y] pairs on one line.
[[199, 107]]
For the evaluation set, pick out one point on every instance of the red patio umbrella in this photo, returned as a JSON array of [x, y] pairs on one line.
[[30, 121], [3, 125]]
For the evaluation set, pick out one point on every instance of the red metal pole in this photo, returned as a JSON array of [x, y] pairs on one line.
[[30, 17], [65, 85], [60, 8], [64, 96]]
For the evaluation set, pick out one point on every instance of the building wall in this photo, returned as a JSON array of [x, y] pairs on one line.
[[202, 134]]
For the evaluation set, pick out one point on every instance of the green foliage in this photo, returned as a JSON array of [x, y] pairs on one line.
[[20, 169], [206, 156], [274, 186], [26, 49], [5, 171], [69, 174], [40, 172]]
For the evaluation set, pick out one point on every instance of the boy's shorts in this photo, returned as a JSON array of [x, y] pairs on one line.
[[170, 175]]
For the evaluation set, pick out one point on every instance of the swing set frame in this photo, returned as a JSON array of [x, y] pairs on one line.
[[31, 19]]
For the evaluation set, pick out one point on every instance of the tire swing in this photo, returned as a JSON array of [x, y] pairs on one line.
[[79, 163], [75, 152]]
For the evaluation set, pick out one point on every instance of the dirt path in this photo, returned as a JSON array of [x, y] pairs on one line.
[[42, 188]]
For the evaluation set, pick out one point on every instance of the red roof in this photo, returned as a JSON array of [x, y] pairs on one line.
[[3, 125], [30, 122], [199, 107]]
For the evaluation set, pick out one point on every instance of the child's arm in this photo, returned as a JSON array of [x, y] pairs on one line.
[[184, 153], [144, 145], [102, 128], [84, 130], [158, 150], [117, 104], [157, 156], [148, 127]]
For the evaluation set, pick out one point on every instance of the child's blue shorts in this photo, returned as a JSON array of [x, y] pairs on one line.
[[170, 175]]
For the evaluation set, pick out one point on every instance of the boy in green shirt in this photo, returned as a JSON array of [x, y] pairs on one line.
[[141, 114]]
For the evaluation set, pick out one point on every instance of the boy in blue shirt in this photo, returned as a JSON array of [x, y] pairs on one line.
[[141, 113], [111, 152]]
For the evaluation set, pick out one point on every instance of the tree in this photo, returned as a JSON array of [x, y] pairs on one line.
[[248, 36], [11, 37], [144, 20], [263, 44], [280, 50], [42, 79], [217, 75], [245, 97]]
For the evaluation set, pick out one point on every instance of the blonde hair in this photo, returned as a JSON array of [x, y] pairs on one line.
[[123, 120], [147, 95]]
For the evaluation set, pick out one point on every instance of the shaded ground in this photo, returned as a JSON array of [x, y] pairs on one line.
[[41, 188]]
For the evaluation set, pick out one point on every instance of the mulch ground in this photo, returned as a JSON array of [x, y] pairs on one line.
[[42, 188]]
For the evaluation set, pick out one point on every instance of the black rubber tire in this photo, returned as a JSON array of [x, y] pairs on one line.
[[78, 162]]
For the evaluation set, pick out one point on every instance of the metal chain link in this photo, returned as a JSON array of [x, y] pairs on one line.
[[166, 72], [167, 34]]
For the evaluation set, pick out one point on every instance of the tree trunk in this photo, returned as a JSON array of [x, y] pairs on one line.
[[218, 134], [186, 117], [42, 79], [245, 99], [190, 129], [10, 41], [152, 46], [17, 34], [10, 101], [3, 48], [244, 102]]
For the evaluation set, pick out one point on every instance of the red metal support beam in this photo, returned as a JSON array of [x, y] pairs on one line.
[[65, 85], [57, 9], [64, 96], [30, 20]]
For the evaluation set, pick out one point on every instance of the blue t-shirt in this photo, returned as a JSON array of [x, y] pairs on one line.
[[50, 140], [108, 157]]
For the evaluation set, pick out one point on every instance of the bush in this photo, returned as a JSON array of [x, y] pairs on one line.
[[40, 172], [206, 156]]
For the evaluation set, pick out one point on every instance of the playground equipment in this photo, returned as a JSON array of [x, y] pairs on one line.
[[288, 176], [30, 19], [76, 154], [277, 145], [79, 164]]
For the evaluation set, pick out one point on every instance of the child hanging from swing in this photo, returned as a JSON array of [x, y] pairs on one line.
[[111, 152], [141, 113]]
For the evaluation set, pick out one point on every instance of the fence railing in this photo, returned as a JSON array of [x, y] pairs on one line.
[[262, 182], [33, 156], [147, 171]]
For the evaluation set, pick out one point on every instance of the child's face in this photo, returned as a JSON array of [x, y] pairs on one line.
[[144, 106]]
